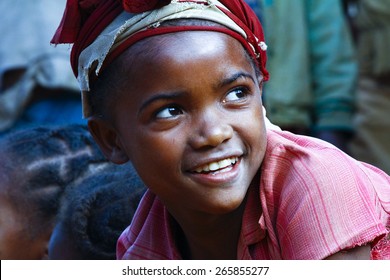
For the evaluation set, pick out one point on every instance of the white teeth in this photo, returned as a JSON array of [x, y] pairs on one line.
[[213, 166]]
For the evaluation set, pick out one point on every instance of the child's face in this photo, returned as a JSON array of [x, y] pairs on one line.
[[189, 117]]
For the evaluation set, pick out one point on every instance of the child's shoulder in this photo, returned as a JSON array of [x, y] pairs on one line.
[[301, 148], [292, 156], [308, 187], [278, 141]]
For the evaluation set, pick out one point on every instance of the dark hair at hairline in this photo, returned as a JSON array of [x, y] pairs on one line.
[[101, 94]]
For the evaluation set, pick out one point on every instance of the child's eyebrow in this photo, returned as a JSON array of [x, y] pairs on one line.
[[231, 79]]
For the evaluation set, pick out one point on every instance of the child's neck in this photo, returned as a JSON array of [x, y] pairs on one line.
[[213, 238]]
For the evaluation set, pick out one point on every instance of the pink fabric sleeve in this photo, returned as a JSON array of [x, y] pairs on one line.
[[318, 201]]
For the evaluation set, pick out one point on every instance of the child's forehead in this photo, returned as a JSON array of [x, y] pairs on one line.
[[183, 43], [170, 55]]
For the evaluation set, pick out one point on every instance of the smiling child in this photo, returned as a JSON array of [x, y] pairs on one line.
[[175, 87]]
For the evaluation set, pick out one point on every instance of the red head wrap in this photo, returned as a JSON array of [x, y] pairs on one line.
[[84, 20]]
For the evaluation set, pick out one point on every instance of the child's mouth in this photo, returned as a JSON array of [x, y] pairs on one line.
[[223, 165]]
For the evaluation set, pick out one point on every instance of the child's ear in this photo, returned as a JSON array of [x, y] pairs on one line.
[[108, 140]]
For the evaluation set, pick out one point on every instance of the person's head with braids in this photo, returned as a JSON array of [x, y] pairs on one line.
[[37, 164], [93, 214]]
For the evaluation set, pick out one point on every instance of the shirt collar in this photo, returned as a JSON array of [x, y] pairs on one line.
[[253, 228]]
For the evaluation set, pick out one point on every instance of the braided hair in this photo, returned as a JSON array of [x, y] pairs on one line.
[[39, 163], [95, 212]]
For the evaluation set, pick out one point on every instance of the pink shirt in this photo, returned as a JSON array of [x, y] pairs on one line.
[[312, 201]]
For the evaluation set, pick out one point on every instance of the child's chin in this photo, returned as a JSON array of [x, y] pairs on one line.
[[227, 206]]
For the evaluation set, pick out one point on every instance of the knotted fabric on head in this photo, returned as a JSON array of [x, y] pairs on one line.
[[101, 30]]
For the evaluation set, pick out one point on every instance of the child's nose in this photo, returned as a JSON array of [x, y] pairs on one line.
[[210, 130]]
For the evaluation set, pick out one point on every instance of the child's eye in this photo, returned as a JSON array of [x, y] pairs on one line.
[[169, 112], [236, 94]]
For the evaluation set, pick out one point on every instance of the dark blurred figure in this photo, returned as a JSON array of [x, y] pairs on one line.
[[37, 85], [312, 93], [37, 165], [93, 214], [371, 23]]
